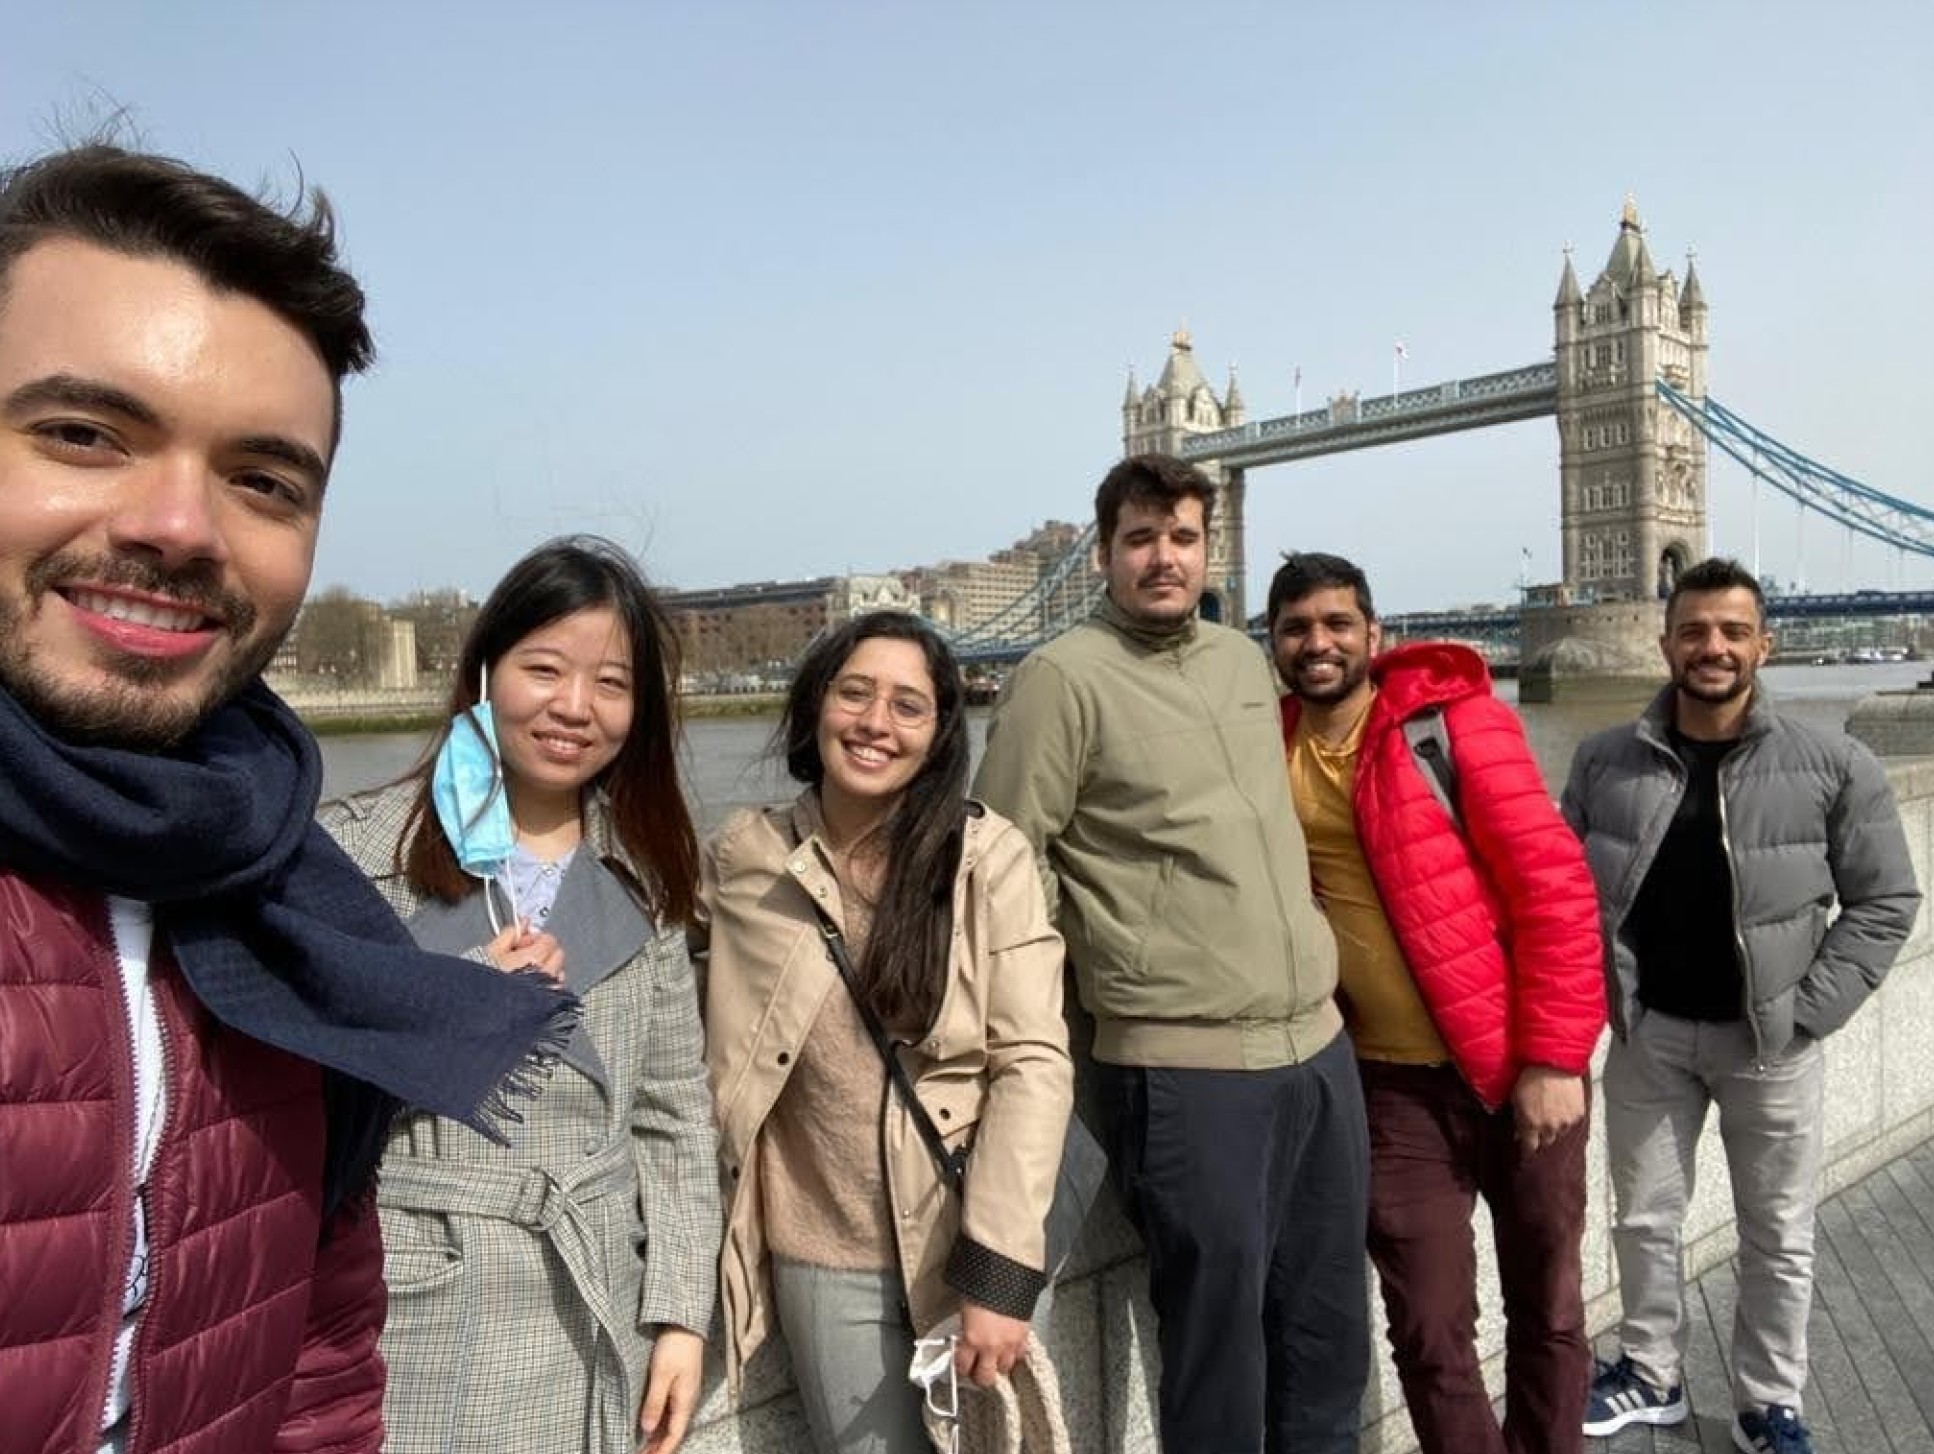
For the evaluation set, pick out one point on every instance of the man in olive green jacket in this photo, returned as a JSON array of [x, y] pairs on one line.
[[1141, 752]]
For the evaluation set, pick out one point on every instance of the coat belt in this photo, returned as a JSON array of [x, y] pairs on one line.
[[544, 1202], [528, 1197]]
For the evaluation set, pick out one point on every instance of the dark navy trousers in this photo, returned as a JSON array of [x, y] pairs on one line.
[[1250, 1189]]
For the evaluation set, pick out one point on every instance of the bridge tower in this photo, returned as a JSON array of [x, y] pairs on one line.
[[1632, 472], [1156, 420]]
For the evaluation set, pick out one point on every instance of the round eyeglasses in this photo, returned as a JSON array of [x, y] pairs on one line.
[[856, 695]]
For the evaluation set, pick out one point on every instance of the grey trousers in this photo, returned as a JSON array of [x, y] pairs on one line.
[[1658, 1086], [850, 1344]]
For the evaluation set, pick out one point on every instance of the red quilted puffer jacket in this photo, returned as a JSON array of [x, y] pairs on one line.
[[1499, 922], [258, 1334]]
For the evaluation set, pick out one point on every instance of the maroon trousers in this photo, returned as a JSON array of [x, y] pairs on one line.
[[1433, 1150]]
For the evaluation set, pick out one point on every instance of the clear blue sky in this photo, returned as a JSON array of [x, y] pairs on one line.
[[770, 290]]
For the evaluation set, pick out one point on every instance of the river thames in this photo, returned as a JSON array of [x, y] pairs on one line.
[[727, 766]]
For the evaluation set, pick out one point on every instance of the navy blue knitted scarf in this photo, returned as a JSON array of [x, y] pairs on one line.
[[275, 930]]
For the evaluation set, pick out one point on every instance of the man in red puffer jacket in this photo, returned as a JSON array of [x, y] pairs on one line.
[[1471, 976], [207, 1015]]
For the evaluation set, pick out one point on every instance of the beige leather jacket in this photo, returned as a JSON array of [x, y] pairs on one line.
[[992, 1069]]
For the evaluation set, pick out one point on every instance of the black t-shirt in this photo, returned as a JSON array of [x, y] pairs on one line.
[[1682, 926]]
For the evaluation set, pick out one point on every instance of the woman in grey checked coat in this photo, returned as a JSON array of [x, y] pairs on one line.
[[552, 1294]]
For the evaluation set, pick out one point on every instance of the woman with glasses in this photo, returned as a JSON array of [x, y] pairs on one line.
[[843, 1227], [551, 1295]]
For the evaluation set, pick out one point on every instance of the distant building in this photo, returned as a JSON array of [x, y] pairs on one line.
[[392, 647], [766, 623], [1632, 472], [762, 625], [347, 642], [1156, 420], [964, 595]]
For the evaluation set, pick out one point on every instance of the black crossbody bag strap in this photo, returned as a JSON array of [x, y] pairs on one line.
[[952, 1162]]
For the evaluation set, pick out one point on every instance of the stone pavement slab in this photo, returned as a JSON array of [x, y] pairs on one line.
[[1871, 1335]]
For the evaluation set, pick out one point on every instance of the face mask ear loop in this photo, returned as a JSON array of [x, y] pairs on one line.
[[503, 879], [490, 906], [500, 880]]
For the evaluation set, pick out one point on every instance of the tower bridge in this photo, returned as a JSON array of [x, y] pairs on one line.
[[1632, 470], [1626, 387], [1496, 629], [1350, 422]]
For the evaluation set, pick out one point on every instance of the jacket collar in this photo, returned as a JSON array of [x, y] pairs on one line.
[[1169, 636], [805, 824], [1655, 722], [807, 821]]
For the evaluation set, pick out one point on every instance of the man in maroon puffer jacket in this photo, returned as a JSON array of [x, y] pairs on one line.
[[207, 1017], [1471, 977]]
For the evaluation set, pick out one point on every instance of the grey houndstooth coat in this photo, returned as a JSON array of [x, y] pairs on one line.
[[526, 1280]]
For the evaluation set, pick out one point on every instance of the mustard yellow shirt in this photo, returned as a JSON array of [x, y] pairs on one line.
[[1378, 996]]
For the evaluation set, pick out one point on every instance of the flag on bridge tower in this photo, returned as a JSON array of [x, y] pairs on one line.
[[1299, 388], [1396, 367]]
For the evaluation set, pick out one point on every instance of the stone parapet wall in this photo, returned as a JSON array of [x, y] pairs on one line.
[[1896, 724], [1101, 1333], [322, 703]]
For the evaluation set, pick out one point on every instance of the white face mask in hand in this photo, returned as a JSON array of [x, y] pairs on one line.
[[932, 1371]]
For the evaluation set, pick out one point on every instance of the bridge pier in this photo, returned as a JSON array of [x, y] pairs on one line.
[[1593, 653]]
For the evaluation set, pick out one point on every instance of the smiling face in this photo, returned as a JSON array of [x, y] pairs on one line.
[[1714, 644], [163, 451], [563, 702], [1323, 644], [876, 726], [1157, 561]]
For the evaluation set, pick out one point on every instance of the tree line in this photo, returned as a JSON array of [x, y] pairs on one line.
[[340, 635]]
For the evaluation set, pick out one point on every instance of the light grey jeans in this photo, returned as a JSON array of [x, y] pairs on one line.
[[850, 1345], [1658, 1086]]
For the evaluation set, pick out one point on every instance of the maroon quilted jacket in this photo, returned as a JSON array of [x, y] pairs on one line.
[[258, 1333], [1498, 922]]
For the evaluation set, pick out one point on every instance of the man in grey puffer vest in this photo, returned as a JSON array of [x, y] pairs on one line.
[[1721, 834]]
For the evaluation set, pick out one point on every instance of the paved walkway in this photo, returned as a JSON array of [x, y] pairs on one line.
[[1871, 1333]]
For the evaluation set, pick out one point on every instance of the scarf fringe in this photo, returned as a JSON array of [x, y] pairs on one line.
[[526, 1080]]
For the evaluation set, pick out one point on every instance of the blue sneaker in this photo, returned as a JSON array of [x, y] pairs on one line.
[[1620, 1396], [1774, 1430]]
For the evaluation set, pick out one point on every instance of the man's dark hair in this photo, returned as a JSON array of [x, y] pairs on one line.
[[1304, 571], [1149, 479], [153, 206], [1716, 573]]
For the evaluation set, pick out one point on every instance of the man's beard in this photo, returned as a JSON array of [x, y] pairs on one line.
[[1355, 673], [135, 707], [1739, 686], [1178, 610]]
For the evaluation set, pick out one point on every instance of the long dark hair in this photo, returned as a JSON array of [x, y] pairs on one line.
[[561, 577], [904, 970]]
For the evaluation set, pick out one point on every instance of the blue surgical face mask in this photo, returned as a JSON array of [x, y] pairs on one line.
[[467, 789]]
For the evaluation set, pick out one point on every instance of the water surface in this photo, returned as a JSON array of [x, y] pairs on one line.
[[726, 766]]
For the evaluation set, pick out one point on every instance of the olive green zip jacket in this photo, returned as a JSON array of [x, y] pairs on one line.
[[1146, 767]]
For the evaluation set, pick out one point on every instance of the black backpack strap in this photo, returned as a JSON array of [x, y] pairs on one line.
[[1429, 743]]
